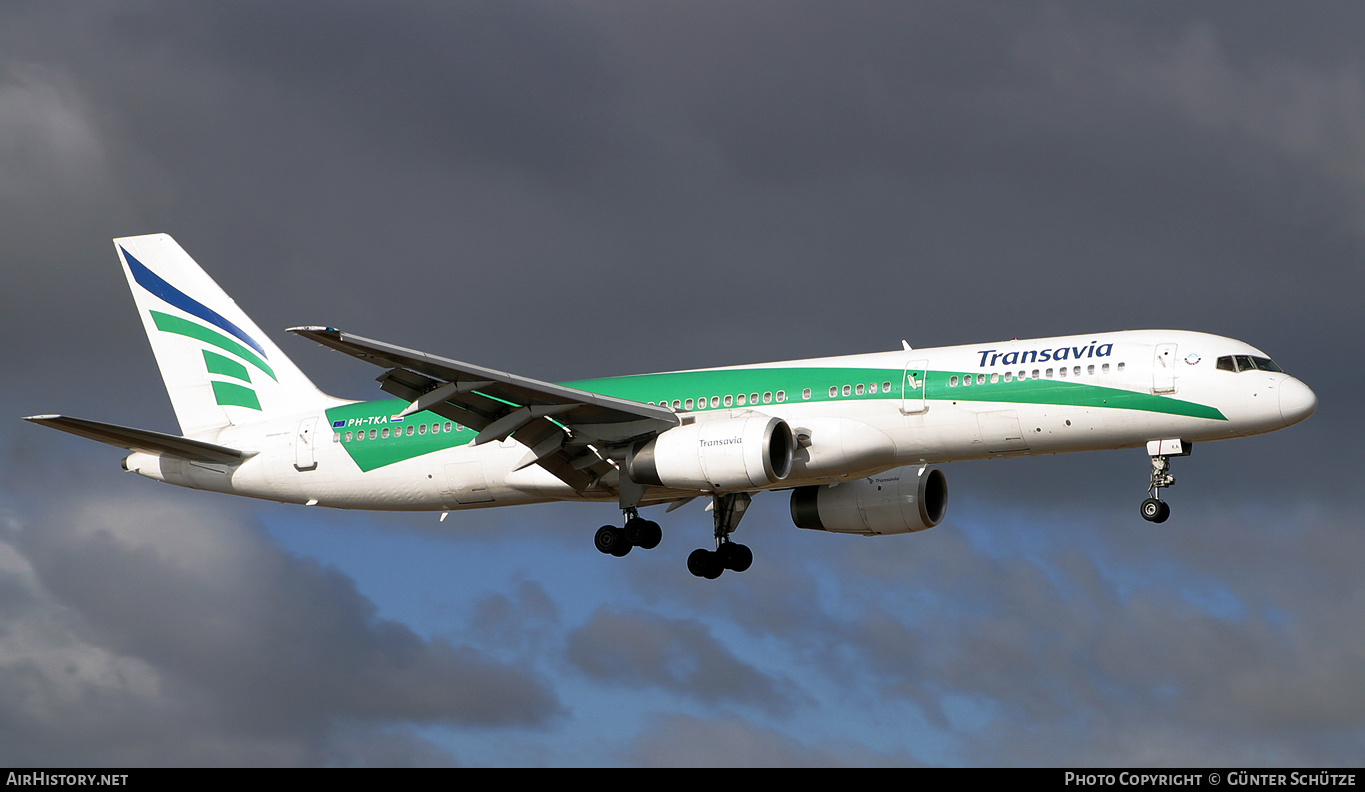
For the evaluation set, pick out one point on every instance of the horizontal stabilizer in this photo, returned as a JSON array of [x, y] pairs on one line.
[[142, 439]]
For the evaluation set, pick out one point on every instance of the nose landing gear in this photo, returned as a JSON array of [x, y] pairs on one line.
[[1154, 509]]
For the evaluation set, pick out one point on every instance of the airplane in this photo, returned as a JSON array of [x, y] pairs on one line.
[[858, 440]]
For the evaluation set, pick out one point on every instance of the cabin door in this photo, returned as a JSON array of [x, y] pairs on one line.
[[913, 387], [1163, 369], [304, 456]]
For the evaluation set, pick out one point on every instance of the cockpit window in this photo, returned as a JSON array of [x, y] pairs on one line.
[[1246, 363]]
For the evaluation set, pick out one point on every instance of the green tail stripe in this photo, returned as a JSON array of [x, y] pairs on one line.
[[174, 324], [217, 364], [230, 393]]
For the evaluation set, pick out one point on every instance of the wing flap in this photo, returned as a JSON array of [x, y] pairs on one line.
[[554, 422]]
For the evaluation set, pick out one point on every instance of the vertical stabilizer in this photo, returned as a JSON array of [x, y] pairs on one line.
[[219, 368]]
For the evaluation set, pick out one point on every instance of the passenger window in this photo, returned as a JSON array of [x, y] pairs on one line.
[[348, 437], [833, 391], [952, 381], [781, 396], [374, 433], [421, 429], [886, 387], [336, 437], [729, 400], [1090, 369], [1122, 366], [384, 434], [409, 430], [767, 396], [1061, 372], [859, 390], [753, 398], [1048, 374], [1009, 375], [741, 399], [805, 394], [995, 378], [689, 404], [980, 379], [848, 390], [715, 401]]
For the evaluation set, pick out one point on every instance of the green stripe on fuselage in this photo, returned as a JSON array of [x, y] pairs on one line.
[[1067, 393], [790, 382], [360, 419], [793, 382]]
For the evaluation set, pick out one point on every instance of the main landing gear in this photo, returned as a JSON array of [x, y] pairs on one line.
[[726, 512], [1154, 509], [637, 532]]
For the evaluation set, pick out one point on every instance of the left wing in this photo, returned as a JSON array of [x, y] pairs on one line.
[[565, 429], [143, 439]]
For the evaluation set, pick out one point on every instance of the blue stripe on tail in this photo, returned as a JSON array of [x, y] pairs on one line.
[[153, 283]]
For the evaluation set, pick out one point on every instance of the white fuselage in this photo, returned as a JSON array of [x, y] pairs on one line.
[[854, 415]]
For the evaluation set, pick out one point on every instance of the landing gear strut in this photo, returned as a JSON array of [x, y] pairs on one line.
[[637, 532], [1154, 509], [726, 512]]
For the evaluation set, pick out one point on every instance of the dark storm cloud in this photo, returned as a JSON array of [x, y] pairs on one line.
[[683, 741], [680, 655], [1111, 636], [178, 621]]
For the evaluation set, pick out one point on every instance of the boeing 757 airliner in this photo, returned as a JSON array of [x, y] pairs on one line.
[[855, 439]]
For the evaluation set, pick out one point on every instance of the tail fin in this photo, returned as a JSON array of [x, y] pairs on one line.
[[219, 368]]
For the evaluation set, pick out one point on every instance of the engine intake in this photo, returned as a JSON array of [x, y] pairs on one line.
[[902, 500], [728, 454]]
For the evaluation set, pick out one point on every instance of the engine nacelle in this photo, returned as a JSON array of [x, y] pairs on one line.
[[897, 501], [727, 454]]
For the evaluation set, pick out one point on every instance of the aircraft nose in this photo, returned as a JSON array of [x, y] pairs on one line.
[[1297, 401]]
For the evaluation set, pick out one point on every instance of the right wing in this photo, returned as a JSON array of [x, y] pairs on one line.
[[560, 426]]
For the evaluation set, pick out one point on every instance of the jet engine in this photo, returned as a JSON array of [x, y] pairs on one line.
[[719, 455], [902, 500]]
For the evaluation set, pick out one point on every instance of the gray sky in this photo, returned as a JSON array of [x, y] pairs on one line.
[[568, 190]]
